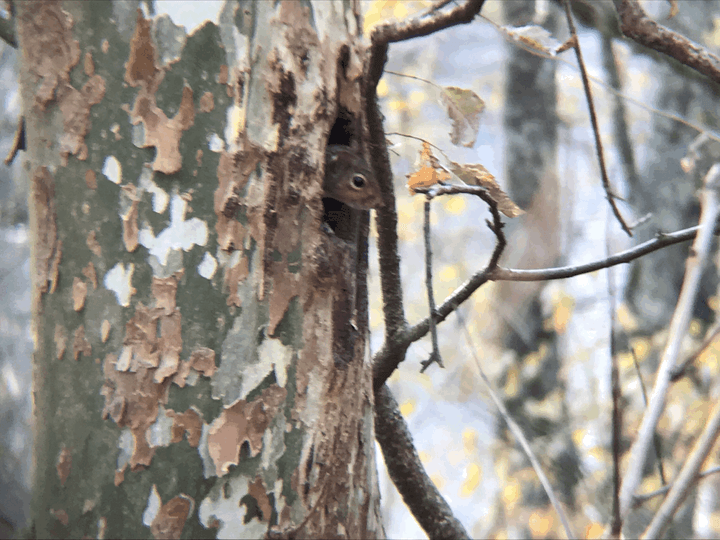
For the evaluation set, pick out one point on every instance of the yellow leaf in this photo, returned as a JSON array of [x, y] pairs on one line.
[[478, 175], [533, 37], [430, 173]]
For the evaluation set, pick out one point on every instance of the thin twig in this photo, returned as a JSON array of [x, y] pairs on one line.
[[671, 116], [393, 350], [657, 443], [641, 499], [677, 329], [435, 354], [392, 32], [519, 436], [616, 523], [619, 115], [7, 31], [406, 470], [386, 359], [679, 371], [636, 25], [18, 141], [437, 6], [686, 478], [594, 121]]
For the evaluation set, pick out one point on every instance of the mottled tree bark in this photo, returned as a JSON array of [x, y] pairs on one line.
[[200, 364]]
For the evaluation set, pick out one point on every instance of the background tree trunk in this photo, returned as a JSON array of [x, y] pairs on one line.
[[200, 338]]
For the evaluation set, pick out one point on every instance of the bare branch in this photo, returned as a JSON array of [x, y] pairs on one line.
[[425, 25], [435, 354], [679, 371], [593, 119], [616, 520], [407, 472], [7, 31], [640, 499], [686, 478], [636, 25], [393, 350], [678, 326]]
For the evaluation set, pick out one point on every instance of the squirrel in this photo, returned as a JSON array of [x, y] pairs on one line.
[[348, 178]]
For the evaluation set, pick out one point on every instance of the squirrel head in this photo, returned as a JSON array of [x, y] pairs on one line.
[[348, 178]]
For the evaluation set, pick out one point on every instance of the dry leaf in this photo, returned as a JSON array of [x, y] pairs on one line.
[[464, 108], [534, 37], [477, 175], [430, 172]]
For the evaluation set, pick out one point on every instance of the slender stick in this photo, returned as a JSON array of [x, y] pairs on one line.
[[435, 355], [593, 119], [677, 330]]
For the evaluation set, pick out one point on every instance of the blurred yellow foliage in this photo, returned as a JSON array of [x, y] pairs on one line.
[[438, 480], [641, 347], [578, 437], [448, 273], [626, 319], [511, 384], [454, 205], [594, 530], [712, 38], [398, 105], [563, 308], [695, 328], [407, 408], [473, 476], [383, 10], [625, 361], [511, 493], [417, 97], [382, 88], [470, 438], [540, 523]]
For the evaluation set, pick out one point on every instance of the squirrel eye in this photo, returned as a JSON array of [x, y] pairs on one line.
[[358, 181]]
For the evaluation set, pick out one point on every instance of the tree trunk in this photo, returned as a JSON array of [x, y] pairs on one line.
[[199, 362]]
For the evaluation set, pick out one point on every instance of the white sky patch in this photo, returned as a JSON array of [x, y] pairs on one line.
[[160, 197], [112, 170], [11, 380], [180, 234], [190, 14], [207, 266], [215, 143], [119, 280]]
